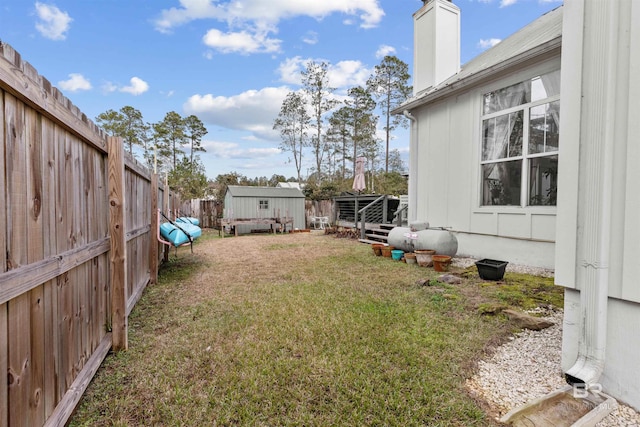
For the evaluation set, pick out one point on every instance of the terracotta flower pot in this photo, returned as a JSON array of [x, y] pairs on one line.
[[386, 251], [441, 262], [425, 257], [377, 248], [410, 258]]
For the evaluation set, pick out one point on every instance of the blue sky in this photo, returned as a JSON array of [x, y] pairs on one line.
[[230, 62]]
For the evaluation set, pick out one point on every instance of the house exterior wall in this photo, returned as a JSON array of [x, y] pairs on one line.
[[445, 183]]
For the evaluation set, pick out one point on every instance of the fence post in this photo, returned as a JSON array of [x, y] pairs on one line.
[[118, 245], [153, 249]]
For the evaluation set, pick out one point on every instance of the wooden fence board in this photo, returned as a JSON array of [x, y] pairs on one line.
[[23, 279], [118, 245], [4, 339], [37, 384], [35, 253], [19, 367], [50, 289]]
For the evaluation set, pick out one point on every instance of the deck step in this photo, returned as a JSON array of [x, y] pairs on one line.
[[382, 231], [383, 237], [371, 242]]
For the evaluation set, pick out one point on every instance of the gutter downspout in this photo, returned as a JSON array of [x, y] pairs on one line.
[[595, 189], [412, 211]]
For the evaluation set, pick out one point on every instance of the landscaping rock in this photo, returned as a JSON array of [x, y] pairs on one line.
[[450, 279], [526, 321]]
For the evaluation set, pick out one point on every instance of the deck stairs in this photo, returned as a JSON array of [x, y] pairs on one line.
[[378, 234]]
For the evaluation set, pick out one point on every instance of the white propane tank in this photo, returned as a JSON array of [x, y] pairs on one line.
[[442, 241]]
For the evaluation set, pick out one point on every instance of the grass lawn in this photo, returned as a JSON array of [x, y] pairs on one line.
[[306, 330]]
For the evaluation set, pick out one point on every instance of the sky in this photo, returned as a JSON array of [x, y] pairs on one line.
[[230, 62]]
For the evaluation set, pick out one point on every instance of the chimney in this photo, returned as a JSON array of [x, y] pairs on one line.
[[436, 43]]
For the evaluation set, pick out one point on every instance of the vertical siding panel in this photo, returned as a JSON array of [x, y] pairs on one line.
[[18, 309], [4, 339], [35, 252], [50, 397]]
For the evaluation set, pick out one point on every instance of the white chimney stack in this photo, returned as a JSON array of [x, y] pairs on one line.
[[436, 41]]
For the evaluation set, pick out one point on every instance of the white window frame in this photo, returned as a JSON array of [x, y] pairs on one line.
[[263, 205], [525, 157]]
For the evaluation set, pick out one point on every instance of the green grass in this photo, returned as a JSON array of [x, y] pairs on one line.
[[342, 339]]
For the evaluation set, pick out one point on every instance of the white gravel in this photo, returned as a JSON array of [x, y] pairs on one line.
[[528, 366]]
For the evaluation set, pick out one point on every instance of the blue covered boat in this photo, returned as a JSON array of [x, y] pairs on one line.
[[178, 233], [188, 219]]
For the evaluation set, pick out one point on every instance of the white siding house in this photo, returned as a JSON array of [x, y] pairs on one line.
[[483, 158], [530, 154]]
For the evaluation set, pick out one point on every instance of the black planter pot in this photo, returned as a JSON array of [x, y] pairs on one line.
[[491, 269]]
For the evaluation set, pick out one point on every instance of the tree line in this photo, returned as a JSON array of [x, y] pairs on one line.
[[170, 146], [338, 130]]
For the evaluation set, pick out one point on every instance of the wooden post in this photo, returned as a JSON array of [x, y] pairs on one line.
[[167, 207], [153, 250], [118, 244]]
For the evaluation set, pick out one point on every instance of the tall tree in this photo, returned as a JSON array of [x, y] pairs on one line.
[[194, 131], [170, 136], [293, 123], [363, 122], [315, 82], [388, 84], [189, 178], [126, 123], [339, 134]]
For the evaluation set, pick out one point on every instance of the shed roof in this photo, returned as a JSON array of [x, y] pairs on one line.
[[251, 191], [539, 37]]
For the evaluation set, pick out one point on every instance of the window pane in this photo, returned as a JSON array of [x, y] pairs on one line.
[[545, 86], [543, 181], [501, 183], [544, 129], [507, 97], [502, 136]]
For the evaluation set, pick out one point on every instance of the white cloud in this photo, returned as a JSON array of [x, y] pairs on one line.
[[75, 83], [52, 22], [253, 111], [136, 87], [251, 22], [344, 74], [290, 69], [270, 12], [233, 150], [487, 43], [385, 50], [310, 38], [240, 42], [506, 3]]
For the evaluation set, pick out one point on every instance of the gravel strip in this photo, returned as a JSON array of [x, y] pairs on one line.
[[528, 366]]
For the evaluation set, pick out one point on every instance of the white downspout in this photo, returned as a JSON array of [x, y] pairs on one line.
[[412, 211], [597, 136]]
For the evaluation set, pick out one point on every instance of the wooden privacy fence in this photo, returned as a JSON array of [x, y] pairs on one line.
[[77, 234]]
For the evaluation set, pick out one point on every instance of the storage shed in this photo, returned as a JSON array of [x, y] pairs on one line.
[[259, 208]]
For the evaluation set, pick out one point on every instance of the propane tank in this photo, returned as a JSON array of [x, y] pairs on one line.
[[440, 240]]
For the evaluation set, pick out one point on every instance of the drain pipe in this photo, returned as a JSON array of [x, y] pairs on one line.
[[598, 120], [412, 212]]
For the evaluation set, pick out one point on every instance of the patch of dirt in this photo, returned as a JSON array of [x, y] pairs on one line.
[[237, 260]]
